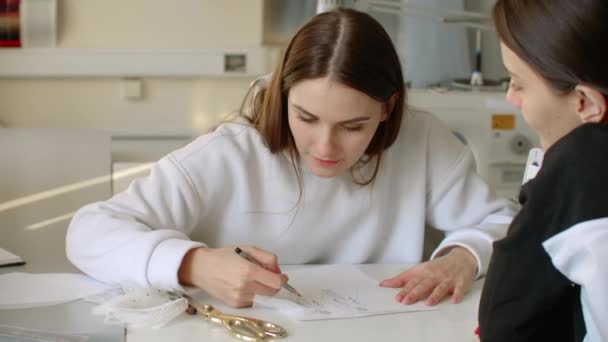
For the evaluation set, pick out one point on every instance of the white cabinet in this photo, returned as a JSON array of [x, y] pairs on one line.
[[47, 174]]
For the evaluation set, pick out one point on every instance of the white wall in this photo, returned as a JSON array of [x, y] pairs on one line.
[[165, 24], [167, 104]]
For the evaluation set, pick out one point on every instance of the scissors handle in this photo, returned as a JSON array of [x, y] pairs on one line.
[[238, 326], [259, 326], [245, 328]]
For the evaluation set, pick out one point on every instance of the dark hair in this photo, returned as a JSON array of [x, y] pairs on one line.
[[564, 41], [349, 47]]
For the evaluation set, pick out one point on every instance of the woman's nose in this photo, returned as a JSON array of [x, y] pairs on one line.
[[513, 98], [325, 143]]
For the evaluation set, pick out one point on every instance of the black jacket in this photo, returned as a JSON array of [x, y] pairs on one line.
[[525, 298]]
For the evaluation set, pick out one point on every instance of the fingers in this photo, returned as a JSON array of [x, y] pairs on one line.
[[458, 294], [231, 278], [269, 275], [441, 291], [266, 279], [401, 296], [434, 280], [244, 298], [269, 260], [415, 291], [255, 273], [243, 295], [394, 282], [433, 291], [399, 280], [263, 290]]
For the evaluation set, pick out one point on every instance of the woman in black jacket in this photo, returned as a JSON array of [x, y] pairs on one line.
[[548, 279]]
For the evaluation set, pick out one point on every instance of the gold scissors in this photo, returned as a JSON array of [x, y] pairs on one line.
[[244, 328]]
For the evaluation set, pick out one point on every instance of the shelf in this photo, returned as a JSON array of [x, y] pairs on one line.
[[86, 63]]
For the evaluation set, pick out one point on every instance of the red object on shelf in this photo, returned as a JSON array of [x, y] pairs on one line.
[[9, 18], [10, 43]]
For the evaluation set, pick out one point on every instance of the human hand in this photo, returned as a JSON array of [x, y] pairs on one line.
[[230, 278], [450, 274]]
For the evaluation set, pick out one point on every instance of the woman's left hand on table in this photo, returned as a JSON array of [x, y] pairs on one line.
[[448, 275]]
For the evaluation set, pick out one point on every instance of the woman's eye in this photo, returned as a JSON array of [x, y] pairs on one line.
[[305, 119], [353, 128], [514, 86]]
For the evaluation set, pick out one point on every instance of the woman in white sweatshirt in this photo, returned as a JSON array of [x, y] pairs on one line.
[[326, 169]]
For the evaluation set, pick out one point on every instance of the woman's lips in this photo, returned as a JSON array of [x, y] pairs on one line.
[[325, 162]]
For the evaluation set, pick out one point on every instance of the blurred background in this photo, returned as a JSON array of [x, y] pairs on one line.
[[150, 76]]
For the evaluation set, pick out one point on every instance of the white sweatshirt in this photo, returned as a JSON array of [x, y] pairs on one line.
[[581, 255], [226, 188]]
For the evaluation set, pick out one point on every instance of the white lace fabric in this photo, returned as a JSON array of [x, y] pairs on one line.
[[141, 308]]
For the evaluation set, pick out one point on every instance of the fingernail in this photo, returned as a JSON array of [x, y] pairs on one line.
[[407, 300]]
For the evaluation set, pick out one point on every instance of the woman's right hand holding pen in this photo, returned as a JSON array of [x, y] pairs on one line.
[[230, 278]]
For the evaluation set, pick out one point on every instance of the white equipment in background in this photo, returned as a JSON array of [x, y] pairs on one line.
[[476, 20], [328, 5], [496, 133], [449, 16]]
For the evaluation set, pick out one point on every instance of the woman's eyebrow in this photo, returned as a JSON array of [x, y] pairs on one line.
[[300, 108], [511, 73], [353, 120]]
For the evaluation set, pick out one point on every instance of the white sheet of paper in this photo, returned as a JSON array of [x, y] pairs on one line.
[[7, 258], [28, 290], [335, 291]]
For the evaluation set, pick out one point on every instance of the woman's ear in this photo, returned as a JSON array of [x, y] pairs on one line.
[[388, 106], [591, 104]]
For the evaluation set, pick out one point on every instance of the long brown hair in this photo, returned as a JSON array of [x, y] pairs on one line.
[[349, 47], [564, 41]]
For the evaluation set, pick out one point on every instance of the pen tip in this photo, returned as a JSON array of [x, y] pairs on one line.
[[237, 250]]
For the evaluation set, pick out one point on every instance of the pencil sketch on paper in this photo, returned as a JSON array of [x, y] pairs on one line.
[[329, 302], [334, 291]]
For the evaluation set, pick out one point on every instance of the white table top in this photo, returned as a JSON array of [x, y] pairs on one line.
[[44, 252], [449, 323]]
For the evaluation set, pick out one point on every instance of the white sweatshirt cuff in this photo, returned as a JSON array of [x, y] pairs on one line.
[[165, 262], [481, 250]]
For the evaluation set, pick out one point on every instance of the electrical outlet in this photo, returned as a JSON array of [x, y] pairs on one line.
[[132, 89], [235, 62]]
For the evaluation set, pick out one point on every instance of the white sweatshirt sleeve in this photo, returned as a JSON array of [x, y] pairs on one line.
[[580, 254], [138, 237], [460, 202]]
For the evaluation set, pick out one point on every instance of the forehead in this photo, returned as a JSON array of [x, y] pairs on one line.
[[511, 61], [519, 68], [516, 66], [322, 96]]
